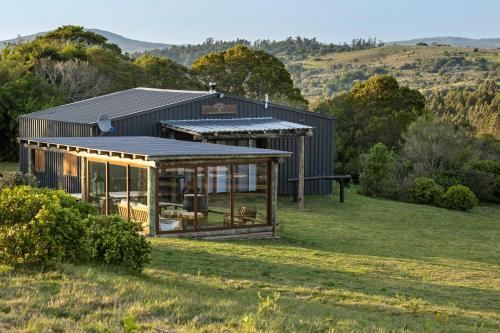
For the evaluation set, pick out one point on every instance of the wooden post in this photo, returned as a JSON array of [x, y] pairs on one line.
[[231, 192], [300, 185], [31, 163], [152, 201], [127, 181], [274, 195], [195, 197], [83, 178], [342, 188], [107, 205]]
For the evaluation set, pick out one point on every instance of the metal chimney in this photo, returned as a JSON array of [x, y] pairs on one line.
[[212, 85]]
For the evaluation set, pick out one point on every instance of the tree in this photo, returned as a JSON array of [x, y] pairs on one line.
[[164, 73], [373, 111], [246, 72], [376, 172], [26, 94], [77, 35], [438, 149], [77, 79]]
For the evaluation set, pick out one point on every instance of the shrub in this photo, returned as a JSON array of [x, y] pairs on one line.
[[376, 170], [44, 227], [426, 191], [118, 242], [485, 185], [447, 178], [489, 166], [40, 227], [459, 197], [12, 179]]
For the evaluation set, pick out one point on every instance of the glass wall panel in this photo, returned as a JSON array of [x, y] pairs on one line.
[[138, 198], [250, 194], [97, 185], [170, 198], [182, 200], [216, 204], [118, 190], [199, 199]]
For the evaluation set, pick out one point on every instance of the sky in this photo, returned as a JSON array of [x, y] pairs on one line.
[[192, 21]]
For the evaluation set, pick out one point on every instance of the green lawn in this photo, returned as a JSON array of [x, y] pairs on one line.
[[9, 166], [367, 265]]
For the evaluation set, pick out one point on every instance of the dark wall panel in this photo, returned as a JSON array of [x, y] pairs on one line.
[[318, 149]]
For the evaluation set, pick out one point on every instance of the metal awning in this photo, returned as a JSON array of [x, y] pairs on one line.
[[237, 128], [148, 148]]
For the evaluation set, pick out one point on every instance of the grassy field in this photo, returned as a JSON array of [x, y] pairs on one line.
[[363, 266], [9, 166]]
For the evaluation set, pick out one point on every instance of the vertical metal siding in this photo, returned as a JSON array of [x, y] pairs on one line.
[[53, 176], [319, 148]]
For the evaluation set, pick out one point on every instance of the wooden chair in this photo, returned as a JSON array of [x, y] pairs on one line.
[[138, 214], [246, 215]]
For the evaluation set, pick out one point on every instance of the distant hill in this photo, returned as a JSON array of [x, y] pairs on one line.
[[485, 43], [126, 44], [427, 68]]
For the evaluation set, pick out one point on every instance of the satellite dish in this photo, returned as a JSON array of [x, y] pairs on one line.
[[104, 123]]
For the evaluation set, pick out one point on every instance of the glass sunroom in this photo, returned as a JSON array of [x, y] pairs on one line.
[[172, 187]]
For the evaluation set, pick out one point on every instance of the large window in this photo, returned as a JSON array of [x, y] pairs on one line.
[[212, 196], [117, 188], [97, 185]]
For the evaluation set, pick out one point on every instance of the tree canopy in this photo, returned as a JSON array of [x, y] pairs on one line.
[[70, 64], [246, 72], [377, 110], [164, 73]]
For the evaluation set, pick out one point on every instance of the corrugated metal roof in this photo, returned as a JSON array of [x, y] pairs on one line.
[[235, 125], [116, 105], [156, 148]]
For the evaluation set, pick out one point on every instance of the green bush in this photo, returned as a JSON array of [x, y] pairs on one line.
[[459, 197], [118, 242], [426, 191], [44, 227], [10, 179], [488, 166], [376, 171], [40, 227]]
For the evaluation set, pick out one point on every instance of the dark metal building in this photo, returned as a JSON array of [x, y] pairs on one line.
[[142, 111]]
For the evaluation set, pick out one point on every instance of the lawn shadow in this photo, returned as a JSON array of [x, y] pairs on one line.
[[319, 280]]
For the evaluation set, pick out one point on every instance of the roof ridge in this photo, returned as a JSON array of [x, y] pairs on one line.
[[77, 102], [219, 119], [175, 90]]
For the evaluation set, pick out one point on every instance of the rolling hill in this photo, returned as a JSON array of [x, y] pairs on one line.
[[426, 68], [485, 43], [126, 44]]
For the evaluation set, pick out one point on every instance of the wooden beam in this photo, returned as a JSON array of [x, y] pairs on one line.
[[107, 189], [301, 161], [231, 193], [127, 185], [83, 178], [31, 162], [195, 197], [274, 196], [152, 197]]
